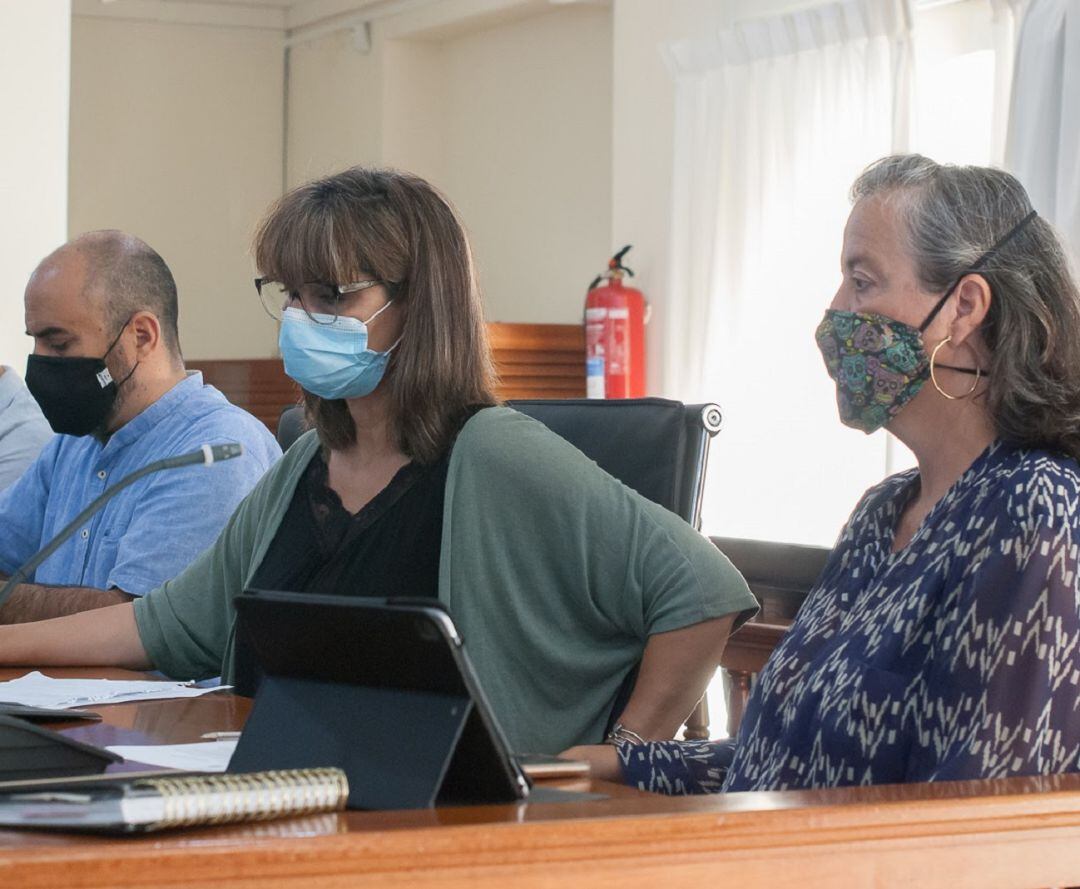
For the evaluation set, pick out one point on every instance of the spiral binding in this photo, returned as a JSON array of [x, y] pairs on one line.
[[255, 796]]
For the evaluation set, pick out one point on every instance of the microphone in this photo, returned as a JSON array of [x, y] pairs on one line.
[[206, 455]]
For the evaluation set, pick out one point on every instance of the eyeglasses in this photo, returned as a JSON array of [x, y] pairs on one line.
[[323, 303]]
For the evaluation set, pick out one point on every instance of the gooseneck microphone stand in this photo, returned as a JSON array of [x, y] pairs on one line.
[[207, 455]]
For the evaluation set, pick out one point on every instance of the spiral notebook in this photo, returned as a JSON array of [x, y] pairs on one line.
[[140, 805]]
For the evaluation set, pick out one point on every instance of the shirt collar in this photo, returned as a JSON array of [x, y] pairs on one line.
[[903, 486], [143, 422]]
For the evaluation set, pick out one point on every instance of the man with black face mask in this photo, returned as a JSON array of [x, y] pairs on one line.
[[109, 376]]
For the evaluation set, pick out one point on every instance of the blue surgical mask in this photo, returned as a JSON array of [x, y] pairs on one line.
[[329, 357]]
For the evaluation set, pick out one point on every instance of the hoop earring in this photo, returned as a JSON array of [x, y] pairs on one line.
[[937, 385]]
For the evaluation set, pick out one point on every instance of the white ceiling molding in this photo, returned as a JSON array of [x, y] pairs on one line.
[[450, 19], [306, 13], [359, 25], [308, 22], [304, 20], [414, 15], [222, 15]]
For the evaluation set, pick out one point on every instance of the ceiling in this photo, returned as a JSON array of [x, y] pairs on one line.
[[276, 14], [262, 4], [306, 17], [287, 15]]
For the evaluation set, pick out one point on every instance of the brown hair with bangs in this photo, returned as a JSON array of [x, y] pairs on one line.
[[397, 227]]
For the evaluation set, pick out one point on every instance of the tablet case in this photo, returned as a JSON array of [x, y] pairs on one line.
[[46, 714], [28, 751], [378, 689]]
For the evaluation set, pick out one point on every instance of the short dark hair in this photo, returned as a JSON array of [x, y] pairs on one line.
[[130, 276], [397, 227]]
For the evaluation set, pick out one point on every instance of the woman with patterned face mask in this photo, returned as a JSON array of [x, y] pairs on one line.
[[942, 640], [413, 482]]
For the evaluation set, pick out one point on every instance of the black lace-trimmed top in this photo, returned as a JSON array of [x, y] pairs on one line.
[[389, 548]]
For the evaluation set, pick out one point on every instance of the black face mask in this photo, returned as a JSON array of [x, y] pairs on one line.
[[75, 394]]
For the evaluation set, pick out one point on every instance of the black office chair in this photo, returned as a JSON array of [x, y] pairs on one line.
[[291, 425], [779, 574], [660, 448]]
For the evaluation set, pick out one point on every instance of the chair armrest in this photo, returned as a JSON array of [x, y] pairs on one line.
[[750, 646]]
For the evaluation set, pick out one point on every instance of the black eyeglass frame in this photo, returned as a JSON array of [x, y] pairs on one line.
[[296, 295]]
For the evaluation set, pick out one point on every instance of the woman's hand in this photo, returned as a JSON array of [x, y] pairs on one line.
[[603, 760]]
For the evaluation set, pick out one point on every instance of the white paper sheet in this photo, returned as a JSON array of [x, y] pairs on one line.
[[207, 756], [37, 690]]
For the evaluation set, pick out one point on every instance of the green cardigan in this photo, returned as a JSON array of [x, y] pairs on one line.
[[555, 574]]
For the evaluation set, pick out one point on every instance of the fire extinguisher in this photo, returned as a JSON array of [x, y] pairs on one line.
[[615, 318]]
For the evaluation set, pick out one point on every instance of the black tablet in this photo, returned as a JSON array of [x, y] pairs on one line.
[[381, 688], [28, 751]]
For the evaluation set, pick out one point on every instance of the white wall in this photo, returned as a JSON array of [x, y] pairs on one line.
[[176, 136], [381, 107], [334, 107], [416, 108], [177, 131], [34, 79], [550, 126], [511, 119], [528, 158]]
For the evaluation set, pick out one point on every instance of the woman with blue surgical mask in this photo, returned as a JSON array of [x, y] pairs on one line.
[[330, 355], [414, 482], [942, 640]]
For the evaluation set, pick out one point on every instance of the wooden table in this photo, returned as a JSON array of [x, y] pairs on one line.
[[1020, 832]]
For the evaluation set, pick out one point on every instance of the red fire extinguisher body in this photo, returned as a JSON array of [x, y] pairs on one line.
[[615, 318], [615, 341]]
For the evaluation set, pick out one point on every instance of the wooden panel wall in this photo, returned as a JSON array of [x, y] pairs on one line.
[[539, 360], [532, 360]]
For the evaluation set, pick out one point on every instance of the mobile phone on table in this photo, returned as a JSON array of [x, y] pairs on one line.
[[543, 766]]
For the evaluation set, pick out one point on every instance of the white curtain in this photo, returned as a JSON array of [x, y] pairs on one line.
[[1043, 143], [774, 119], [1007, 15]]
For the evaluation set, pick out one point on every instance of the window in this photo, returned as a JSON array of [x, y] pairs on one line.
[[784, 468]]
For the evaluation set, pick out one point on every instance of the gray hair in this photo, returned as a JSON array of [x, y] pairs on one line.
[[951, 216]]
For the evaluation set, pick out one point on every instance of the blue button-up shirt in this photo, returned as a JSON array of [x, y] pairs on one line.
[[151, 531]]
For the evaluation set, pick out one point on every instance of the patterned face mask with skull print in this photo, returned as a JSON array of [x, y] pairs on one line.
[[880, 364]]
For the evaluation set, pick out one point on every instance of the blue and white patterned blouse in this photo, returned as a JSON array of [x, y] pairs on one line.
[[956, 657]]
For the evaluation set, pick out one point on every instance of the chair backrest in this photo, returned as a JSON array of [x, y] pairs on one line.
[[778, 574], [291, 425], [660, 448]]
